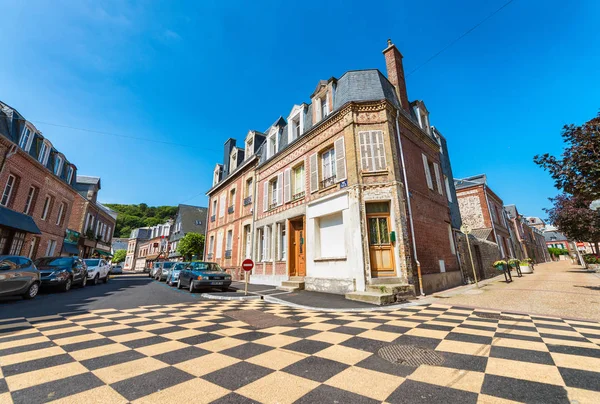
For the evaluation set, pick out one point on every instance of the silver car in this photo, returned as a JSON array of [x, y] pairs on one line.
[[18, 276], [165, 270], [174, 274]]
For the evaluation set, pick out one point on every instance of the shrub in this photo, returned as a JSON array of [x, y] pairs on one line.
[[591, 259]]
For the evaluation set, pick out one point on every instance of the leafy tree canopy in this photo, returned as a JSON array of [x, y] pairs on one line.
[[574, 218], [577, 172], [119, 256], [191, 244], [142, 215]]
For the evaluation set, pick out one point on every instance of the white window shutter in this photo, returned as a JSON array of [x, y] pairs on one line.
[[438, 179], [279, 189], [340, 159], [314, 173], [427, 173], [287, 185], [222, 201], [379, 155], [219, 244], [266, 196], [365, 150]]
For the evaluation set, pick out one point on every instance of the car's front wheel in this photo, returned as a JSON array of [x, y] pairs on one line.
[[179, 283], [192, 289], [67, 285], [96, 279], [32, 291], [84, 281], [105, 278]]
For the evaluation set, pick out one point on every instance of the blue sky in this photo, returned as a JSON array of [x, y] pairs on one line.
[[192, 74]]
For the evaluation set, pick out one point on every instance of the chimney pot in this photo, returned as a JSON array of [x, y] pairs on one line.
[[395, 73]]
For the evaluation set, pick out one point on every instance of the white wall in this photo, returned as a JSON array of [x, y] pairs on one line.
[[318, 263]]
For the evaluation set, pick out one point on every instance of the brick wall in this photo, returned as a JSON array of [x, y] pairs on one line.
[[488, 253], [29, 172]]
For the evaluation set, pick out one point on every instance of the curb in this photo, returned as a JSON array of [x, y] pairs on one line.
[[271, 299], [210, 296]]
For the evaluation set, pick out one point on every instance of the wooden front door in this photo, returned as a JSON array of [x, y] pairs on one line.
[[297, 243], [381, 250]]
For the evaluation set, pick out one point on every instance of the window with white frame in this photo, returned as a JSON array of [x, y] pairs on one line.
[[58, 165], [229, 240], [50, 248], [294, 128], [44, 152], [30, 201], [69, 174], [328, 167], [211, 245], [8, 190], [233, 160], [324, 106], [372, 151], [46, 210], [260, 238], [298, 181], [330, 240], [447, 184], [428, 167], [273, 192], [248, 192], [61, 212], [219, 249], [25, 141], [451, 238], [249, 144], [272, 143], [282, 241], [214, 207]]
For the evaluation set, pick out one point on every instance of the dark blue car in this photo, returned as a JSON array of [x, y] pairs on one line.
[[199, 275]]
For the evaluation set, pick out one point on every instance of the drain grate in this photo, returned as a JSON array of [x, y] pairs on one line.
[[259, 319], [410, 355], [494, 316]]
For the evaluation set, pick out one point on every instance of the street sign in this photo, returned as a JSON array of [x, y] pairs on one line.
[[247, 264], [465, 229]]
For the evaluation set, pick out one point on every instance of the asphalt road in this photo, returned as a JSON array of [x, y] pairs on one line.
[[121, 292]]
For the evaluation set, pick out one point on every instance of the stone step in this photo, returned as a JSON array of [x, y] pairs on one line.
[[377, 298], [292, 285], [286, 288], [297, 278], [398, 289]]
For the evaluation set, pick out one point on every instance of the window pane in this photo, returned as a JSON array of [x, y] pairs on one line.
[[378, 207], [373, 232], [384, 234]]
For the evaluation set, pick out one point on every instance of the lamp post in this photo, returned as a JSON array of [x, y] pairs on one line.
[[467, 230]]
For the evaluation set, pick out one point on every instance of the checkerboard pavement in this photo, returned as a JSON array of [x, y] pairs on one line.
[[197, 353]]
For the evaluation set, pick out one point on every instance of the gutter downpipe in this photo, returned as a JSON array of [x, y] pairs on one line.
[[487, 202], [410, 216]]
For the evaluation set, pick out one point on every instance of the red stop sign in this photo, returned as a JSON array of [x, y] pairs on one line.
[[248, 264]]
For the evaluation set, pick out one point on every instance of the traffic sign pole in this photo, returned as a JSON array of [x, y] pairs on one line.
[[247, 266]]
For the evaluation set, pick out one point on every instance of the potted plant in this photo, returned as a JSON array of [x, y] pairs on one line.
[[526, 267], [512, 263], [500, 265]]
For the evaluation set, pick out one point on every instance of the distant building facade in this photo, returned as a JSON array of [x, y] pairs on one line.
[[189, 219]]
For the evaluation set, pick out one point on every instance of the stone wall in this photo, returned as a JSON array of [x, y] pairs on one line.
[[488, 253]]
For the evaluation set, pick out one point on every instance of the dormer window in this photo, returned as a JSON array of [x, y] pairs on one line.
[[69, 174], [233, 160], [295, 123], [272, 143], [26, 138], [44, 153], [249, 147], [216, 174], [58, 165], [324, 107]]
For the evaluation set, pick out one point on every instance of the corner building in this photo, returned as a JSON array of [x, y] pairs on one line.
[[331, 212]]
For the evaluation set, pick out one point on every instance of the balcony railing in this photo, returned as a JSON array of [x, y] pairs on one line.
[[327, 182], [272, 205], [247, 200], [213, 218], [298, 195], [209, 256], [227, 253]]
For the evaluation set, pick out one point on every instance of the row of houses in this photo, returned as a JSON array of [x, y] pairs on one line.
[[147, 245], [349, 192], [46, 208]]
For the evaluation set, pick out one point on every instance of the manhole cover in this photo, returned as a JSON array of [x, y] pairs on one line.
[[410, 355], [258, 319]]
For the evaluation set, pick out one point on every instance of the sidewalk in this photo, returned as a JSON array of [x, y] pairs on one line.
[[559, 289]]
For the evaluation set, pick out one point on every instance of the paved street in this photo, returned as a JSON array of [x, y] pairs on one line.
[[559, 289], [135, 340]]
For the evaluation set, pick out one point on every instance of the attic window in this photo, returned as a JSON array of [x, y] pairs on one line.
[[249, 144], [272, 143], [233, 160], [216, 175], [324, 106], [295, 123]]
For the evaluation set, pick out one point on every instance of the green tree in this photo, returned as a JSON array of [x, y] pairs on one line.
[[191, 244], [119, 256]]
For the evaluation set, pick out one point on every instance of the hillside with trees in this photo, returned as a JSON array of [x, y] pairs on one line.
[[142, 215]]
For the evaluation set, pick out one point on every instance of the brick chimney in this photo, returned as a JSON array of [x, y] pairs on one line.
[[395, 73]]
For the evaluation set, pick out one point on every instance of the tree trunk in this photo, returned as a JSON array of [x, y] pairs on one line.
[[596, 247]]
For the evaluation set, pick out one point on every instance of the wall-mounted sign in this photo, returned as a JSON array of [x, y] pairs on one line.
[[344, 184], [72, 236]]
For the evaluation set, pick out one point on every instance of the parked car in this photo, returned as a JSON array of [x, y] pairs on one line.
[[157, 266], [63, 272], [174, 274], [164, 271], [203, 275], [18, 276], [97, 270], [116, 270]]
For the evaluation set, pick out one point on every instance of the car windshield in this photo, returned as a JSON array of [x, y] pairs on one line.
[[168, 265], [180, 265], [92, 263], [205, 266], [53, 262]]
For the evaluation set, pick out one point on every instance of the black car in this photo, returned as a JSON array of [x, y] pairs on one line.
[[203, 275], [63, 272], [18, 276]]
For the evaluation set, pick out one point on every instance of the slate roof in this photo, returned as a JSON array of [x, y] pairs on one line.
[[86, 179], [193, 220], [512, 211], [483, 234], [460, 183], [119, 244], [549, 235]]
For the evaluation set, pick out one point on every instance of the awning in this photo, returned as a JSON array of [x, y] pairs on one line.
[[104, 253], [152, 257], [70, 248], [18, 221]]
